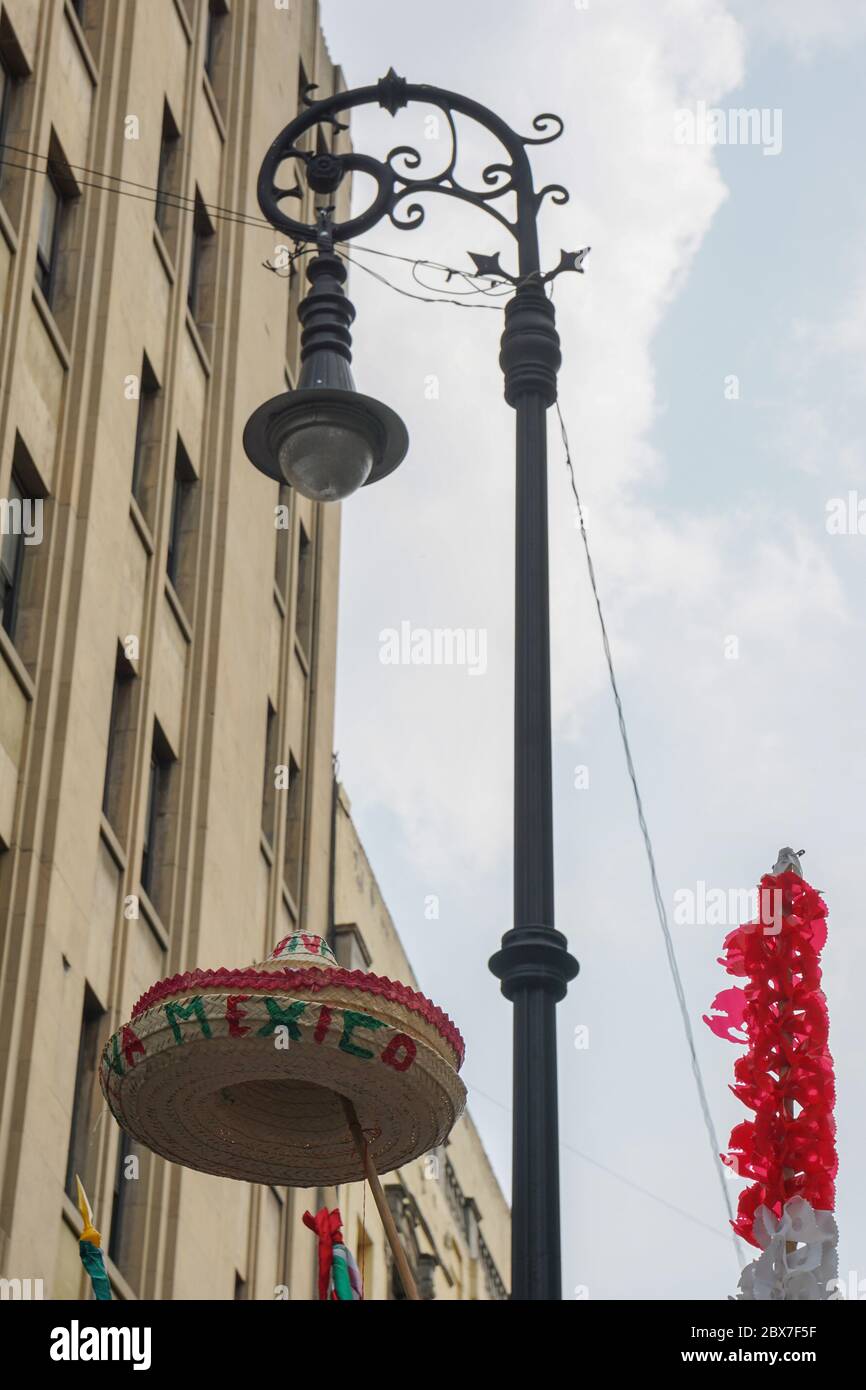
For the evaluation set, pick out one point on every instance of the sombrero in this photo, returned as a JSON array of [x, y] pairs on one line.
[[242, 1072]]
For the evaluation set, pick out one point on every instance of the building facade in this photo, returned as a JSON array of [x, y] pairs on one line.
[[449, 1210], [167, 615]]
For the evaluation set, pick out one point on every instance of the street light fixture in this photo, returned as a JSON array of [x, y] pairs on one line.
[[327, 440]]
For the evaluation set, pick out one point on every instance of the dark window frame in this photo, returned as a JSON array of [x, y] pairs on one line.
[[183, 483], [121, 1214], [5, 102], [169, 143], [162, 761], [293, 838], [124, 675], [58, 177], [217, 15], [87, 1064], [305, 590], [10, 579], [203, 233], [46, 263], [25, 477], [16, 70], [269, 791], [149, 389]]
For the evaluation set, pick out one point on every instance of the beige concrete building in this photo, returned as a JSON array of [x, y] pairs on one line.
[[167, 631], [449, 1209]]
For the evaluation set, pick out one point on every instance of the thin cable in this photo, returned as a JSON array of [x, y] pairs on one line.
[[187, 198], [644, 829], [167, 199], [490, 290], [183, 202], [431, 265], [620, 1177], [422, 299]]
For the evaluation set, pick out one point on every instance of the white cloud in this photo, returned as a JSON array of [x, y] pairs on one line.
[[804, 26]]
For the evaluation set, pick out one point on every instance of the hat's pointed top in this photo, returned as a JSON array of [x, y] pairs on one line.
[[299, 951]]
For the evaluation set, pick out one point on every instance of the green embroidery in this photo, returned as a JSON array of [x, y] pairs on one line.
[[351, 1021], [112, 1057], [282, 1018], [186, 1011]]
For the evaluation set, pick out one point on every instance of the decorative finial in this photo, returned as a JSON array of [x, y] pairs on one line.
[[788, 859]]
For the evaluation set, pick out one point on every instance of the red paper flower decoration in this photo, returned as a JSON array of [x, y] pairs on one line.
[[786, 1075]]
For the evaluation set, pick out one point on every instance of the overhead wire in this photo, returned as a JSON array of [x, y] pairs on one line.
[[661, 910], [612, 1172], [182, 202]]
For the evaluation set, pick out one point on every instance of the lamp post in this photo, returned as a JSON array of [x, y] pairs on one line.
[[327, 440]]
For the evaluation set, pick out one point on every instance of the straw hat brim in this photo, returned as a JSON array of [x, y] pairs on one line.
[[248, 1101]]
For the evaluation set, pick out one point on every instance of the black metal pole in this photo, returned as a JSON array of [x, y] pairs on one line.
[[533, 964]]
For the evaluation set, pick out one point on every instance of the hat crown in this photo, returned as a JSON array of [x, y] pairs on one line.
[[300, 950]]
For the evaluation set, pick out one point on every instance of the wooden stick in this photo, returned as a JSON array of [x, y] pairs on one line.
[[381, 1201]]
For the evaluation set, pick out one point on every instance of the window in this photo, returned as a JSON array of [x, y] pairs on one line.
[[79, 1156], [146, 438], [156, 818], [294, 825], [11, 556], [304, 598], [120, 730], [46, 245], [21, 533], [350, 948], [269, 795], [217, 24], [16, 118], [182, 523], [284, 534], [167, 178], [128, 1205], [58, 195], [5, 102], [200, 289]]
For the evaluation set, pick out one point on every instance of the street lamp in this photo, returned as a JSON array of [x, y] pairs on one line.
[[325, 438], [327, 441]]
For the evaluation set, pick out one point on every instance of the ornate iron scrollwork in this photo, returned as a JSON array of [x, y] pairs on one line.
[[396, 181]]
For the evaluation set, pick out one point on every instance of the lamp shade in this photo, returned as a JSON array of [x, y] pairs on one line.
[[325, 439]]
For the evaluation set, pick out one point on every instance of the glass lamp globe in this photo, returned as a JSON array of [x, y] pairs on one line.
[[325, 442], [327, 459]]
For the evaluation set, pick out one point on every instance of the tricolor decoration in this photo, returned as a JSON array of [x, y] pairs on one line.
[[786, 1077], [292, 1072], [242, 1072], [89, 1248], [339, 1276]]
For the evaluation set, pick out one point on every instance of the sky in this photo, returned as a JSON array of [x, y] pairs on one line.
[[713, 388]]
